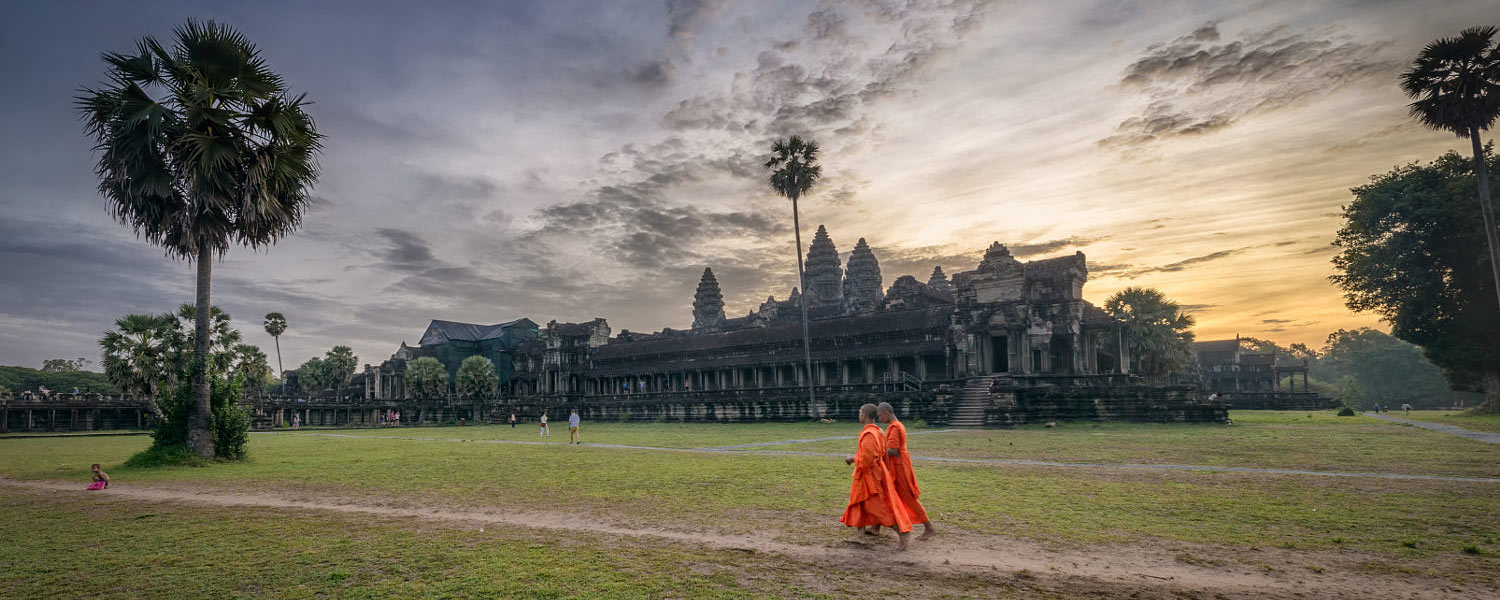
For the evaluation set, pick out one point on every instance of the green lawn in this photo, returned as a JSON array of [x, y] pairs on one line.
[[1272, 439], [666, 435], [1486, 422], [87, 546], [799, 497]]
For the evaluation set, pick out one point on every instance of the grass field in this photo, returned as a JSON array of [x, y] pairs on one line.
[[1440, 529], [1486, 422]]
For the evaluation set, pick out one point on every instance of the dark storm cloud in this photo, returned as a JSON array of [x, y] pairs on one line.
[[1185, 263], [406, 251], [1049, 246], [1200, 83]]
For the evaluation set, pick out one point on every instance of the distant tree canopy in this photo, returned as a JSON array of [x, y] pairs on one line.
[[1413, 252], [426, 377], [20, 379], [328, 373], [312, 376], [1384, 369], [1158, 333], [57, 365]]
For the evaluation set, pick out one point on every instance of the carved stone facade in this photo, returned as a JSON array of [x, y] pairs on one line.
[[1023, 323]]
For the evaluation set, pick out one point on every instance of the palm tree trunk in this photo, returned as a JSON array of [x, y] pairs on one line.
[[200, 438], [812, 399], [280, 371], [1487, 208]]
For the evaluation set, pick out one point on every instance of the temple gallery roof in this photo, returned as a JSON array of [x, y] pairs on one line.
[[892, 321], [1227, 346], [441, 331]]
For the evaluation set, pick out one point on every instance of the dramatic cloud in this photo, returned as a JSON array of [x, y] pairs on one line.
[[1200, 83]]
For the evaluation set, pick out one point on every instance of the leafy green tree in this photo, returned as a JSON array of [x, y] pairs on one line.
[[476, 381], [250, 367], [201, 147], [477, 377], [426, 378], [1157, 332], [275, 325], [312, 376], [223, 338], [338, 366], [1387, 370], [1409, 254], [794, 169], [1350, 394], [1456, 84], [137, 355]]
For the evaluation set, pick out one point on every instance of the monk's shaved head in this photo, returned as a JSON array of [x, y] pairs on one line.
[[886, 408], [869, 413]]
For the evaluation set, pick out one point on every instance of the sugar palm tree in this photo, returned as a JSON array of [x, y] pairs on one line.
[[276, 325], [1156, 330], [135, 355], [201, 147], [1456, 86], [794, 170]]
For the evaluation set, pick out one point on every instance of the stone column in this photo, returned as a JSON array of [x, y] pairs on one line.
[[843, 372], [921, 367]]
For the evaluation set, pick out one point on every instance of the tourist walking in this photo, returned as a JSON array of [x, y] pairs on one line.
[[544, 431], [513, 420], [573, 428], [1406, 409]]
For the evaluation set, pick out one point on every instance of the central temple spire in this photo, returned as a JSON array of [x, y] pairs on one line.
[[863, 287], [708, 304], [824, 275]]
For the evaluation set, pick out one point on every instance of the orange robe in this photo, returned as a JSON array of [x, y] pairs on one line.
[[872, 498], [902, 477]]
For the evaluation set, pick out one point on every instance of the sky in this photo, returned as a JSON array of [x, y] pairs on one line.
[[569, 160]]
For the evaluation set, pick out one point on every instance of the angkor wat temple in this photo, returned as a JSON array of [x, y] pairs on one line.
[[996, 344]]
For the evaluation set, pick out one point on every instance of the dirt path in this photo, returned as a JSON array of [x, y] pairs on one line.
[[1211, 571], [1469, 434], [943, 459]]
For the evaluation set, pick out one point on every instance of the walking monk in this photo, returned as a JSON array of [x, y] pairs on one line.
[[898, 462], [872, 497]]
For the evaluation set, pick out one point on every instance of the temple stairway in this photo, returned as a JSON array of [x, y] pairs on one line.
[[970, 402]]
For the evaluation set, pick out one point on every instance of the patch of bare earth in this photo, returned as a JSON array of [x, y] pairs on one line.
[[955, 559]]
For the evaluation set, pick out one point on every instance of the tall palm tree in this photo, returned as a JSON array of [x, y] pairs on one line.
[[794, 170], [1156, 330], [1456, 84], [200, 147], [276, 325], [135, 355], [250, 365]]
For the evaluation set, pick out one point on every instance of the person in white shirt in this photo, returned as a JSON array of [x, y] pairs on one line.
[[544, 432]]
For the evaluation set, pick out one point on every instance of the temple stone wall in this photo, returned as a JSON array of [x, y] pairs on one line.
[[1136, 404]]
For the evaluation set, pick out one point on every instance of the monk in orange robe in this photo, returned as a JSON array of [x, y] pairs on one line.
[[898, 462], [872, 497]]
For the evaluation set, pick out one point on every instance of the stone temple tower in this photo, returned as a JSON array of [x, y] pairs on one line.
[[863, 288], [708, 304], [824, 275], [939, 279]]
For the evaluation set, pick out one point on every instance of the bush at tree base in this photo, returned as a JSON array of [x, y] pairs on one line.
[[1346, 412], [230, 426]]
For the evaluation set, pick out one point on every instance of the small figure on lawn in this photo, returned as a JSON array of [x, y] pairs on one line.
[[101, 479]]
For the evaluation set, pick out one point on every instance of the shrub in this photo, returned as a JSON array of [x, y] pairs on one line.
[[230, 426], [1346, 412]]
